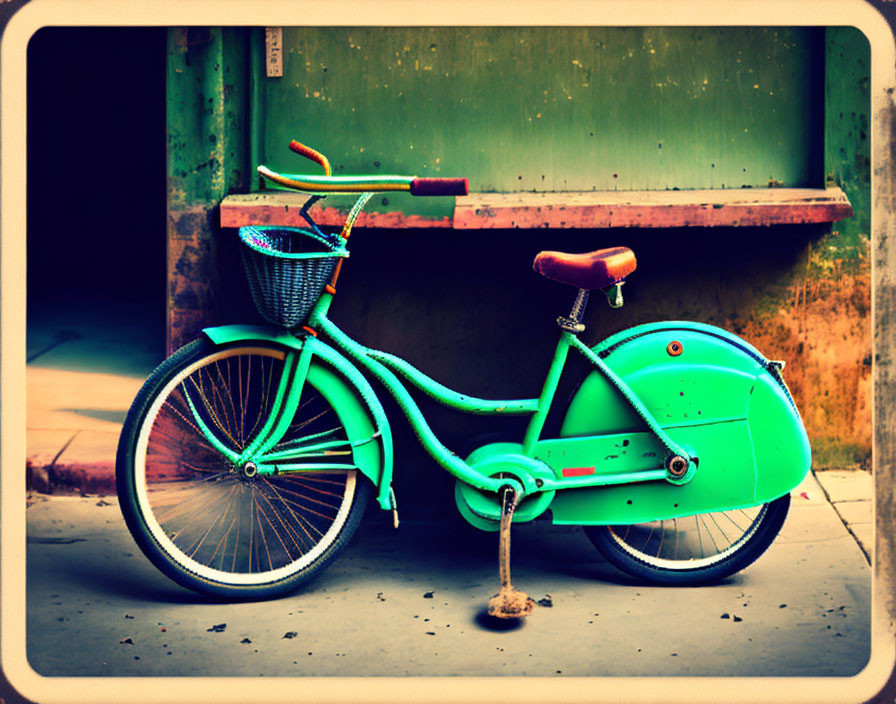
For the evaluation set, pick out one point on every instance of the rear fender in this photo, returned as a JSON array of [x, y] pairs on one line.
[[718, 396], [346, 390]]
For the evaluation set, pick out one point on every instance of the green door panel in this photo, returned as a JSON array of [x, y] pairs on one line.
[[715, 397]]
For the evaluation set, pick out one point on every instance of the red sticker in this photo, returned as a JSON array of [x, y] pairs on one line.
[[577, 471]]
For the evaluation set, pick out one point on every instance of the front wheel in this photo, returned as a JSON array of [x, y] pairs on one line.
[[216, 528], [693, 550]]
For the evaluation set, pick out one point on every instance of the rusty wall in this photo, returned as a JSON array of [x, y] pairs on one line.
[[207, 138], [819, 313]]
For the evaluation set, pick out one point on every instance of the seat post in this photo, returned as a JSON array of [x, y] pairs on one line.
[[574, 322]]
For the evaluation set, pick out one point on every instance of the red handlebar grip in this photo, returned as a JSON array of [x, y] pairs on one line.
[[440, 187], [310, 153]]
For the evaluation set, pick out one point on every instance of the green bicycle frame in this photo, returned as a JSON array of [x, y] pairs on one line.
[[613, 446], [385, 368]]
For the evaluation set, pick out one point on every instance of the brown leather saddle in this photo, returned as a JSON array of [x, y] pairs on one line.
[[590, 270]]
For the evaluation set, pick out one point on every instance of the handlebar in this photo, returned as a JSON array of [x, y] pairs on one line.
[[440, 187], [326, 184], [312, 154]]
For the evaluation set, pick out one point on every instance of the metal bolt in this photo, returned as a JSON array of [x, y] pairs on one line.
[[677, 466]]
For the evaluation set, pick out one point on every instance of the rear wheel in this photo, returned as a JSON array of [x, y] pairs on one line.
[[221, 529], [693, 550]]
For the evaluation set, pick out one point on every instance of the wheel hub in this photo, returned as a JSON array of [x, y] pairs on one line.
[[248, 471]]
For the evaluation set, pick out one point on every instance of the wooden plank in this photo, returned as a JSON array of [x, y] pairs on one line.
[[748, 207], [282, 208]]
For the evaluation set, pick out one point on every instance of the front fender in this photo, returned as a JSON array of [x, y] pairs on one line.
[[345, 389]]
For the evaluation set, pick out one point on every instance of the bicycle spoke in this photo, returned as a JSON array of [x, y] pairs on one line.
[[308, 477], [184, 418], [211, 411], [236, 543], [313, 488], [264, 402], [699, 537], [226, 386], [259, 514], [306, 509], [209, 515], [713, 519], [193, 549], [708, 532], [677, 535], [298, 443], [299, 519], [659, 550], [290, 530], [207, 498], [311, 420], [223, 539]]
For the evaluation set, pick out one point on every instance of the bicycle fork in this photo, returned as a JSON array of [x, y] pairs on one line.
[[256, 458]]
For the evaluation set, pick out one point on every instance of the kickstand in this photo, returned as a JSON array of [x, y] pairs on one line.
[[509, 602]]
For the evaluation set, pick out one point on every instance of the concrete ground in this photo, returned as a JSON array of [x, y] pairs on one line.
[[85, 364], [803, 609]]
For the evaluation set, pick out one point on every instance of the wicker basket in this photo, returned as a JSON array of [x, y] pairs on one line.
[[288, 268]]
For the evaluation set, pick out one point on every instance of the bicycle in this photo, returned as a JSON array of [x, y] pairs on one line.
[[249, 455]]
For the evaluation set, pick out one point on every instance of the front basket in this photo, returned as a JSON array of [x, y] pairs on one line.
[[288, 268]]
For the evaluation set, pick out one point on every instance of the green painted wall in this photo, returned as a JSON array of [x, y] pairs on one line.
[[553, 109], [208, 138], [847, 153]]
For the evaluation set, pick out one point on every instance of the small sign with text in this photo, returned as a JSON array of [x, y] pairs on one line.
[[273, 51]]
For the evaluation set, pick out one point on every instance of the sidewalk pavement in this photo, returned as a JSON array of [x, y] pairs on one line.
[[85, 366], [410, 602], [851, 493]]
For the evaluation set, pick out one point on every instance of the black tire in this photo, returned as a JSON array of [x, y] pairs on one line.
[[616, 544], [162, 458]]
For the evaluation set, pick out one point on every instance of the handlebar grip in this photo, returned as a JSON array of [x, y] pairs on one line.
[[440, 187], [310, 153]]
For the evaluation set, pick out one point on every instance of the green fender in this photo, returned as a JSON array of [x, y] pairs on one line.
[[718, 396], [346, 390]]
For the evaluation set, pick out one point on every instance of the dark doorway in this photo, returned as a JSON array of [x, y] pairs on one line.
[[96, 188]]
